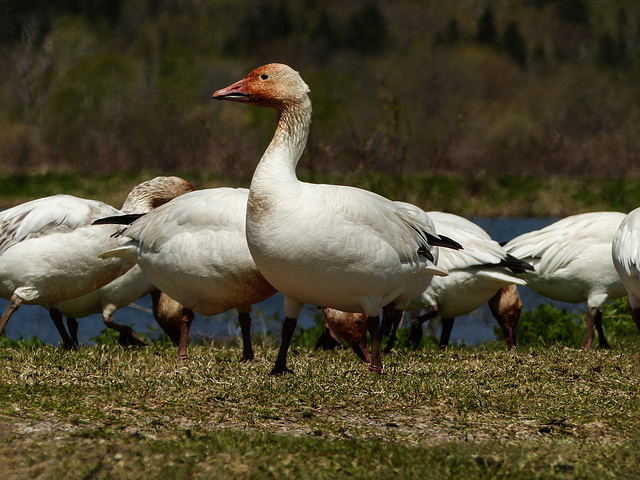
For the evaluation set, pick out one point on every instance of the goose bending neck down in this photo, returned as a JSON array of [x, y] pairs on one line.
[[378, 253], [133, 284], [194, 249], [49, 253], [572, 260]]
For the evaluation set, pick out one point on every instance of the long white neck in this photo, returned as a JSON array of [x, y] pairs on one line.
[[279, 161]]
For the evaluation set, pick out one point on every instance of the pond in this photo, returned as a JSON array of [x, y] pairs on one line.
[[471, 329]]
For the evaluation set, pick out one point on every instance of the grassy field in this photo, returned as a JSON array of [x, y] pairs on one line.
[[547, 410], [108, 412], [471, 196]]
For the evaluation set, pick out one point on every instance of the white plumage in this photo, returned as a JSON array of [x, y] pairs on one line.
[[328, 245], [133, 284], [49, 253], [194, 249], [572, 261], [476, 274], [625, 252]]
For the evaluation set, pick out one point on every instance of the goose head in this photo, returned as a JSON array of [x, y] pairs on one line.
[[506, 307], [351, 327], [274, 85], [155, 192]]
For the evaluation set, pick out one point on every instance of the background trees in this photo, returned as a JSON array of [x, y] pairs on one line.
[[541, 87]]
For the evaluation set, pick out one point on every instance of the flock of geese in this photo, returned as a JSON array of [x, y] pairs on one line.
[[348, 250]]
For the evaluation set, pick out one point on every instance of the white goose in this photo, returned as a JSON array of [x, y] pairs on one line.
[[505, 305], [572, 261], [351, 327], [625, 252], [42, 244], [326, 245], [194, 249], [134, 283], [477, 275]]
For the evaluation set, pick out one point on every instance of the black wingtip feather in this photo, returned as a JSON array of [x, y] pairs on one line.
[[516, 265], [118, 219], [443, 241]]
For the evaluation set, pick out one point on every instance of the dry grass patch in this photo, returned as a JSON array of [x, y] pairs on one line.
[[102, 412]]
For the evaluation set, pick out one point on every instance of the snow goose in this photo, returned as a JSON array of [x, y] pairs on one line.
[[572, 261], [49, 253], [625, 252], [326, 245], [476, 275], [168, 314], [133, 284], [194, 249], [351, 327], [506, 307]]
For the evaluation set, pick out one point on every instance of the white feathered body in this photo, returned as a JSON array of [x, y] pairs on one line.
[[116, 294], [474, 277], [133, 284], [333, 245], [626, 255], [572, 258], [194, 249], [49, 251]]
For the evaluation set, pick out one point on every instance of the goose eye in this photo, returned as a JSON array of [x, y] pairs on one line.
[[264, 76]]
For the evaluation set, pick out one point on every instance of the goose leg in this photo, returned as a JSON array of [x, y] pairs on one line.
[[245, 326], [386, 323], [187, 318], [72, 326], [288, 327], [396, 318], [594, 317], [373, 326], [635, 314], [601, 338], [447, 326], [415, 331], [56, 316], [127, 336], [14, 303]]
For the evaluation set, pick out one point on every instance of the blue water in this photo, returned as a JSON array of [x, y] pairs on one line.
[[470, 329]]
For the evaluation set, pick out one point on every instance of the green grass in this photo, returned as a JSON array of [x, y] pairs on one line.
[[478, 195], [109, 412]]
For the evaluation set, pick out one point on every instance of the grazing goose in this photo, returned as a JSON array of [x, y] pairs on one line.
[[194, 249], [49, 253], [327, 245], [506, 307], [572, 261], [133, 284], [168, 314], [351, 327], [475, 275], [625, 252]]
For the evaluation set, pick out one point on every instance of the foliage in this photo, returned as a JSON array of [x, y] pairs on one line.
[[107, 337], [22, 343], [546, 325], [398, 87], [477, 196]]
